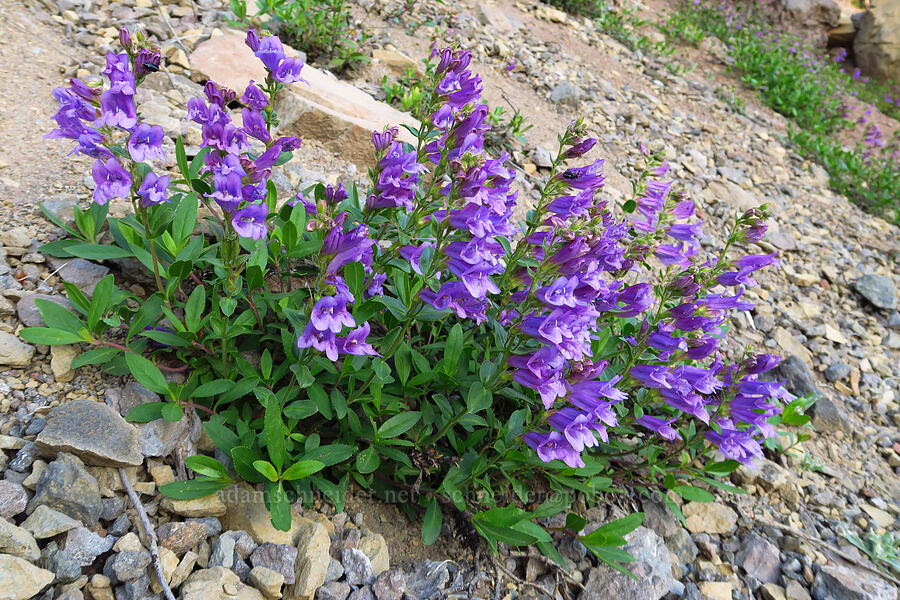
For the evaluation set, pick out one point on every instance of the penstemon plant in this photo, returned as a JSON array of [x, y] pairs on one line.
[[414, 339]]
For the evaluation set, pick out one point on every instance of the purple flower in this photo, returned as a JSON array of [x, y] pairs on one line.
[[323, 341], [268, 49], [580, 148], [355, 342], [118, 110], [659, 426], [382, 140], [254, 97], [588, 177], [111, 181], [145, 143], [154, 190], [577, 427], [553, 446], [146, 62], [289, 71], [254, 124], [331, 313], [250, 221]]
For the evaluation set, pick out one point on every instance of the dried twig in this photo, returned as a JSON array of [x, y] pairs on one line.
[[165, 18], [151, 533], [825, 545], [521, 581]]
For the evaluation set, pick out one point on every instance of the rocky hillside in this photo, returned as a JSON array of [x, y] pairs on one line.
[[72, 467]]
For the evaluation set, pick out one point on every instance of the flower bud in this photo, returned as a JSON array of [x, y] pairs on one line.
[[252, 39], [382, 140], [580, 147], [146, 62], [125, 38]]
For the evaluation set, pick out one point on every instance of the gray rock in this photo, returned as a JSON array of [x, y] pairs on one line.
[[212, 525], [847, 583], [137, 589], [112, 508], [179, 537], [126, 566], [28, 312], [334, 590], [85, 546], [156, 438], [45, 522], [428, 580], [390, 585], [682, 546], [659, 518], [243, 542], [877, 289], [279, 558], [66, 486], [837, 372], [84, 274], [357, 567], [63, 565], [94, 432], [24, 458], [120, 526], [363, 593], [240, 567], [829, 415], [335, 571], [760, 559], [13, 499], [541, 158], [222, 552], [798, 377], [36, 426], [566, 93], [652, 567]]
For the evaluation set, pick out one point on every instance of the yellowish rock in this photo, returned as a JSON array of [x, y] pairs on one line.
[[208, 506]]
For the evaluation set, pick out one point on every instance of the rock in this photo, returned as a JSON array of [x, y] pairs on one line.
[[847, 583], [246, 511], [837, 372], [659, 518], [489, 14], [652, 569], [772, 591], [13, 499], [184, 568], [566, 93], [338, 114], [877, 43], [797, 376], [828, 415], [375, 547], [823, 12], [882, 518], [759, 558], [24, 459], [335, 570], [730, 194], [94, 432], [17, 237], [28, 312], [428, 580], [398, 62], [334, 590], [222, 552], [363, 593], [61, 358], [66, 486], [126, 566], [128, 542], [14, 352], [217, 583], [542, 158], [85, 546], [796, 591], [169, 563], [390, 585], [709, 517], [83, 274], [878, 289], [179, 537], [267, 581], [63, 565], [276, 557], [716, 590], [158, 437], [18, 542], [21, 580], [207, 506], [357, 567], [311, 565]]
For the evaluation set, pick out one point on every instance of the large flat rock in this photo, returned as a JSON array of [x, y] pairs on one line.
[[94, 432], [337, 114]]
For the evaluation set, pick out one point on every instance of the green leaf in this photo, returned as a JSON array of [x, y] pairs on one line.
[[367, 460], [146, 373], [320, 399], [194, 309], [206, 465], [95, 356], [694, 494], [300, 409], [575, 522], [48, 336], [243, 458], [280, 508], [181, 159], [185, 219], [398, 424], [95, 252], [58, 317], [100, 301], [301, 469], [453, 349], [172, 412], [273, 430], [189, 490], [266, 469], [144, 413], [432, 522], [212, 388], [722, 468], [331, 454]]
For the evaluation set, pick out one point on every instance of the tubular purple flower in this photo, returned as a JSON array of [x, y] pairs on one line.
[[154, 189], [323, 341], [661, 427], [111, 181], [355, 342], [330, 313], [254, 124], [250, 221], [577, 427], [118, 110], [268, 49], [254, 97], [382, 140], [580, 148], [146, 62], [145, 143], [553, 446], [289, 71]]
